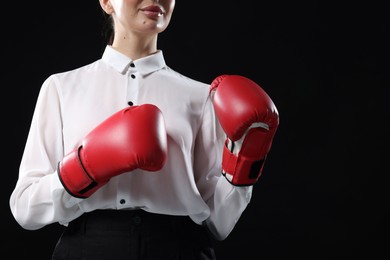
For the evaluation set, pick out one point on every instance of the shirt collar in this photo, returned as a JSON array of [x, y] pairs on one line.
[[145, 65]]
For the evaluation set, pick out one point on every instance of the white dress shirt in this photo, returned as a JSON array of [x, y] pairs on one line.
[[70, 104]]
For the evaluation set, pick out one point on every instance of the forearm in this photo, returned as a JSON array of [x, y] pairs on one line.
[[39, 201], [228, 203]]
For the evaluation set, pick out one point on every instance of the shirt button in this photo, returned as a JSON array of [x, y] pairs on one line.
[[132, 76], [122, 201], [132, 65], [136, 220]]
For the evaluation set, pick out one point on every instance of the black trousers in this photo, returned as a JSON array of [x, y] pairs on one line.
[[133, 235]]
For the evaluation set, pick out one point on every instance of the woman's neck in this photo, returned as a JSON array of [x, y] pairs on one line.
[[135, 47]]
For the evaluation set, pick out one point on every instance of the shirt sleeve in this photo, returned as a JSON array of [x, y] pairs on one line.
[[38, 198], [225, 201]]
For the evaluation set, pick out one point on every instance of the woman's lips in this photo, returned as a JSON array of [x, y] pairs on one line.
[[152, 11]]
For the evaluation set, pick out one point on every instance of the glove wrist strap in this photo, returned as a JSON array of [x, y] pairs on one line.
[[74, 178]]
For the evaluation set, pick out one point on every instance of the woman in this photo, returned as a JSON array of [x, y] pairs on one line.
[[171, 210]]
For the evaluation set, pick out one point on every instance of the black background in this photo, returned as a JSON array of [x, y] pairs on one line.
[[323, 192]]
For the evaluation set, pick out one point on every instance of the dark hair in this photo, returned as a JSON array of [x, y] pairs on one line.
[[108, 28]]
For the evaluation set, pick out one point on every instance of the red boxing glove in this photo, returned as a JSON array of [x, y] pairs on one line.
[[250, 119], [134, 137]]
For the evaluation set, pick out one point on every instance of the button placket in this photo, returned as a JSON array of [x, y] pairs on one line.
[[132, 71], [132, 86]]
